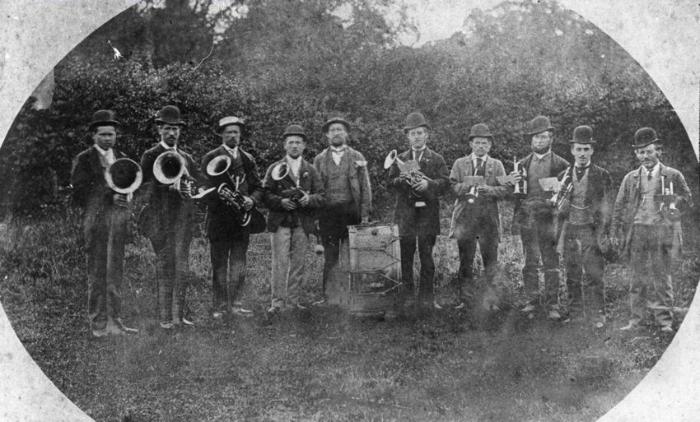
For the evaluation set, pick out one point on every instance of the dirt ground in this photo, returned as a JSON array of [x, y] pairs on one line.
[[321, 364]]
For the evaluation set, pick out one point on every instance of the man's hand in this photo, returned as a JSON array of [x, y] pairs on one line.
[[248, 203], [304, 200], [365, 220], [485, 190], [516, 175], [420, 186], [288, 204]]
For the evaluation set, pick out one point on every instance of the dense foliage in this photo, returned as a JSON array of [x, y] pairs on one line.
[[281, 62]]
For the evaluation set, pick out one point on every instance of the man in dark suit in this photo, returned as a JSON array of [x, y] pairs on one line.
[[168, 219], [105, 224], [417, 210], [228, 239], [584, 209], [646, 220], [533, 217], [345, 180], [475, 217], [292, 201]]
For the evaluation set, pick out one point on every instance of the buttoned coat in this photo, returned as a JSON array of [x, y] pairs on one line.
[[599, 196], [309, 181], [358, 177], [629, 198], [520, 213], [222, 221], [462, 224], [424, 220], [166, 211]]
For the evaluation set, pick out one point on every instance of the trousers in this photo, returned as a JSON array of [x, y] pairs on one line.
[[486, 235], [425, 245], [583, 256], [228, 262], [288, 252], [539, 242], [651, 284], [172, 269]]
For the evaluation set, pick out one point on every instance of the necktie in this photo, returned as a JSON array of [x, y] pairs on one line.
[[579, 172]]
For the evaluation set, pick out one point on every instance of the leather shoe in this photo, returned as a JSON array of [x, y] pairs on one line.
[[166, 325], [632, 325], [124, 328], [667, 329], [241, 311], [100, 332]]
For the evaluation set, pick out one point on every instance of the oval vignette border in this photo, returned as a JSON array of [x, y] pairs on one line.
[[661, 35]]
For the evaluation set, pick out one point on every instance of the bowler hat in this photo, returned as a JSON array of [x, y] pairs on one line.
[[336, 118], [415, 120], [480, 130], [228, 121], [644, 137], [294, 130], [169, 115], [538, 125], [103, 118], [583, 135]]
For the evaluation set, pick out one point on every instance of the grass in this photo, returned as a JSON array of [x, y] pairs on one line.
[[319, 365]]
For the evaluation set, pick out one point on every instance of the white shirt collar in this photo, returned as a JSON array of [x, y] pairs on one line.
[[338, 150], [168, 147], [103, 152], [654, 170], [294, 165], [541, 156], [108, 154], [484, 158], [232, 151]]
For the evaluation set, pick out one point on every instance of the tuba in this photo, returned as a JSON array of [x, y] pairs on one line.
[[124, 176], [227, 188]]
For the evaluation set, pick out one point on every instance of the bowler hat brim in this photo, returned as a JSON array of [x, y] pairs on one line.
[[646, 143], [583, 141], [97, 123], [336, 120], [170, 122], [407, 128]]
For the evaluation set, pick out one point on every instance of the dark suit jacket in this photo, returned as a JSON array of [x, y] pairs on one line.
[[599, 195], [521, 214], [426, 220], [222, 221], [90, 190], [463, 223], [310, 182], [166, 212]]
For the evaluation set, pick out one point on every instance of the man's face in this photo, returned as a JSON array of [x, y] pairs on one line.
[[105, 137], [294, 145], [231, 135], [541, 142], [337, 134], [648, 156], [169, 134], [582, 154], [417, 137], [480, 146]]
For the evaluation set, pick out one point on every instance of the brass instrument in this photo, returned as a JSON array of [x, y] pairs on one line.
[[124, 176], [520, 188], [409, 170], [668, 200], [472, 194], [561, 200], [170, 168], [292, 191], [218, 167]]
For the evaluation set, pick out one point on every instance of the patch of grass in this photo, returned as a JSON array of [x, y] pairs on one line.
[[321, 364]]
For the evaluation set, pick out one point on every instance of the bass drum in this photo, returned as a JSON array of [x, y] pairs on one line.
[[368, 277]]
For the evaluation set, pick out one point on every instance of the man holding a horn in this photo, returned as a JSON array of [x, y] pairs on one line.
[[417, 212], [293, 193], [533, 217], [646, 220], [227, 230], [103, 182], [584, 207], [475, 217], [168, 219]]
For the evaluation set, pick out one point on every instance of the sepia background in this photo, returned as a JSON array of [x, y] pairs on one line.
[[509, 64]]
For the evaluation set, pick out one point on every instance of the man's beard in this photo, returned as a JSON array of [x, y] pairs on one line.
[[543, 150]]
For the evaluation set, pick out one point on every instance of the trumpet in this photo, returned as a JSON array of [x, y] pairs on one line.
[[409, 170], [170, 168], [218, 167], [292, 190], [521, 186], [560, 200], [124, 176]]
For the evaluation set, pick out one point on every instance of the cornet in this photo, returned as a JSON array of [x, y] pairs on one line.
[[472, 194], [560, 200], [668, 200], [409, 170], [218, 167], [124, 176], [521, 186]]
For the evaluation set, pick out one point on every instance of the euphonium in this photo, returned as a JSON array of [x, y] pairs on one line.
[[218, 167], [124, 176]]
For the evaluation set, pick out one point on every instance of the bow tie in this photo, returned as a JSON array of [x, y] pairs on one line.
[[338, 150]]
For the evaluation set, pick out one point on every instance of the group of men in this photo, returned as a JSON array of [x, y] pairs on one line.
[[574, 216]]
